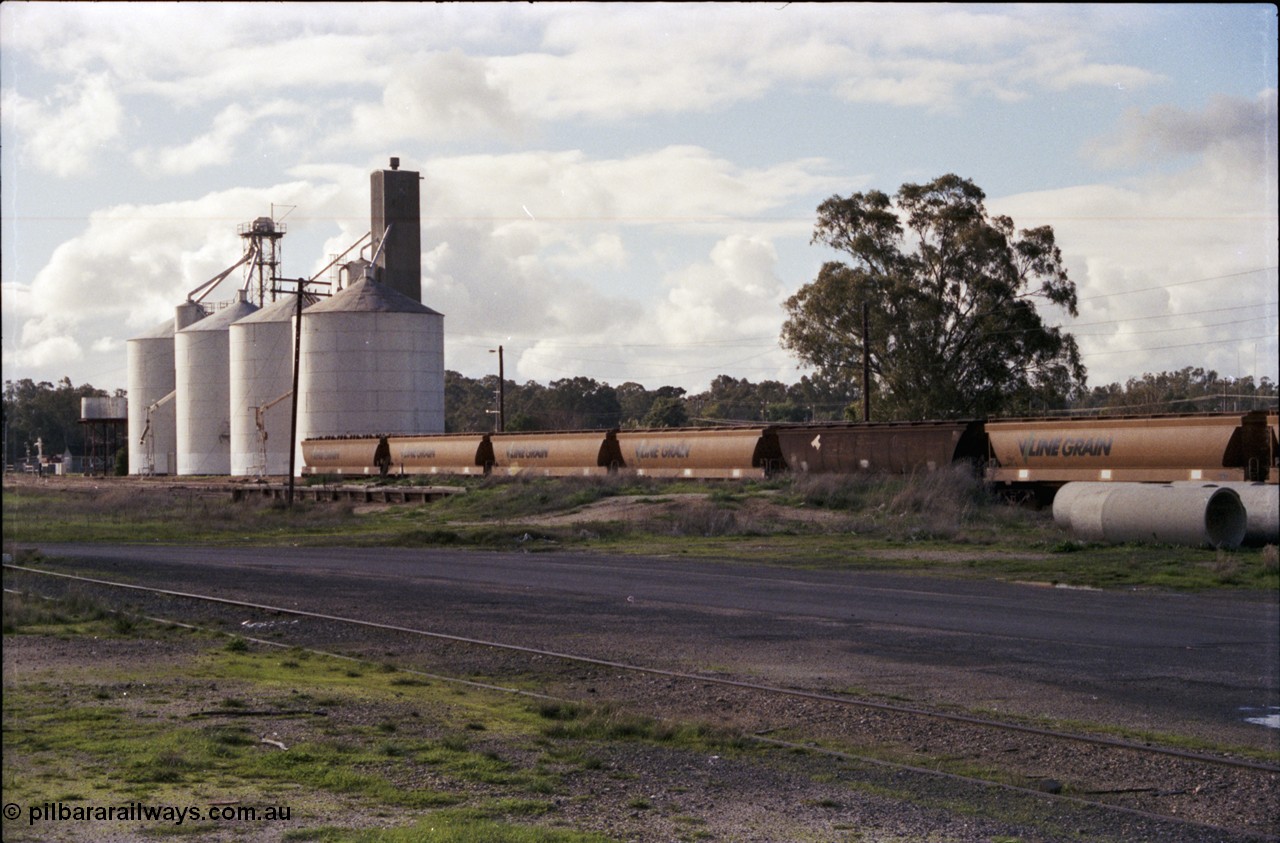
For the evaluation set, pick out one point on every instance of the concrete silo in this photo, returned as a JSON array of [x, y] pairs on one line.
[[153, 440], [372, 362], [202, 381], [261, 358]]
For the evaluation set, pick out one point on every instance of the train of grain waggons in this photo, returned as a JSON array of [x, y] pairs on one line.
[[1031, 454]]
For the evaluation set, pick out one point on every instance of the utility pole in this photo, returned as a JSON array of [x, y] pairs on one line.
[[866, 365], [502, 392], [297, 359]]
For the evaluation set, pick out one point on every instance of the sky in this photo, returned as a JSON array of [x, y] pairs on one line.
[[628, 192]]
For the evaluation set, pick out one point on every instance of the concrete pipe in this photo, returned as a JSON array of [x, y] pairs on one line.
[[1262, 509], [1196, 515], [1068, 496]]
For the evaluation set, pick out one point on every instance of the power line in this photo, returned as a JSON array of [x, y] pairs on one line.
[[1245, 321], [1179, 283], [1183, 345], [1250, 306]]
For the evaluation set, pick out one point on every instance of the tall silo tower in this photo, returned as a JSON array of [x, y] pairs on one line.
[[261, 356], [372, 362], [396, 229], [202, 382], [153, 442]]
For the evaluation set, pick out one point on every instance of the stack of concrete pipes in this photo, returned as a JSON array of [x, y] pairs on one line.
[[1218, 515]]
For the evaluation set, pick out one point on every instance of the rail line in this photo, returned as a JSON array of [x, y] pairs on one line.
[[1113, 743], [1243, 765]]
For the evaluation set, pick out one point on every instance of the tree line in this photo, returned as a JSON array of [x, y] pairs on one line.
[[583, 403]]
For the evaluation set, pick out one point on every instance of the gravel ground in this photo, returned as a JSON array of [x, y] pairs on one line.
[[642, 791]]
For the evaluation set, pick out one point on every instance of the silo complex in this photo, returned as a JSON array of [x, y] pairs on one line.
[[152, 433], [202, 380], [217, 391], [261, 357], [372, 362]]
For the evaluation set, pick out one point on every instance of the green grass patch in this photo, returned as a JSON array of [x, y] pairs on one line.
[[363, 736], [485, 765]]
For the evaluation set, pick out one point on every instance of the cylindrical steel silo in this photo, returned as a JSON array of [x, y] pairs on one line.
[[372, 362], [261, 356], [202, 378], [152, 438]]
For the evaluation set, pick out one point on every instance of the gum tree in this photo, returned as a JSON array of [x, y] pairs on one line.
[[951, 294]]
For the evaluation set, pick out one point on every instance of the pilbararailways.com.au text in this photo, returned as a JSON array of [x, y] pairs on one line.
[[58, 812]]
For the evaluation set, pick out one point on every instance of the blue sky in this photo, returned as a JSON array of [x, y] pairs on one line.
[[627, 192]]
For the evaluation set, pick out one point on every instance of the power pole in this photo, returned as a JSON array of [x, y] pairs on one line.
[[502, 392], [866, 365], [301, 284]]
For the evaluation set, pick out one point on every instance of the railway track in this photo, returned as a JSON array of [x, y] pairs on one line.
[[1197, 790]]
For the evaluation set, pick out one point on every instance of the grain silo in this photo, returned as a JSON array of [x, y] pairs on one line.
[[202, 380], [261, 358], [153, 440], [372, 362]]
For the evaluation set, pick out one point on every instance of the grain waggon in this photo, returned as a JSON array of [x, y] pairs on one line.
[[1151, 449], [881, 447]]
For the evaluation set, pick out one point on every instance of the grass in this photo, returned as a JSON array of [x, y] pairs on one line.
[[447, 827], [942, 523], [485, 757]]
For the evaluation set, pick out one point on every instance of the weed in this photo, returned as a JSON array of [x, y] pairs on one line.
[[704, 519], [24, 612]]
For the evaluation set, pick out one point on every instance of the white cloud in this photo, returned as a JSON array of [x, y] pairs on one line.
[[526, 246], [62, 135], [220, 146], [400, 74], [1158, 261], [438, 95], [678, 186], [719, 314], [1226, 126], [735, 294], [44, 347]]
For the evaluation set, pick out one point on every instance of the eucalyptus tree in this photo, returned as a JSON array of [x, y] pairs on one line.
[[945, 301]]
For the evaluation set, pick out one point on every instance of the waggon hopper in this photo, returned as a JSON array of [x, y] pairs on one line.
[[888, 447], [1148, 449], [735, 452]]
